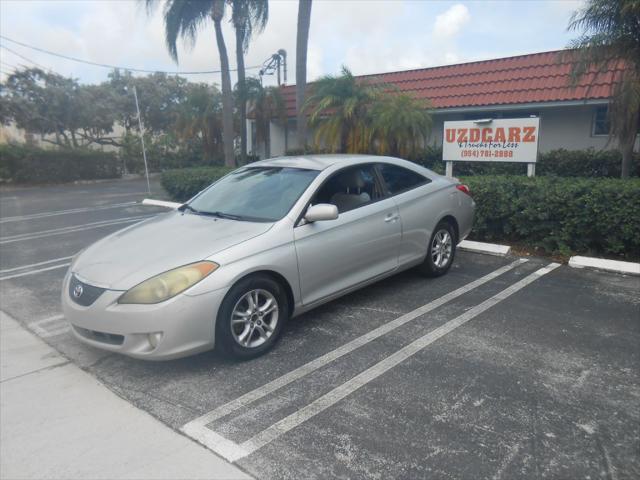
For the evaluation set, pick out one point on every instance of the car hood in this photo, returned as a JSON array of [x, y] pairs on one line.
[[130, 256]]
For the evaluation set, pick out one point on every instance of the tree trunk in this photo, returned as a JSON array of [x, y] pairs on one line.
[[227, 97], [626, 141], [627, 158], [267, 140], [302, 42], [242, 94]]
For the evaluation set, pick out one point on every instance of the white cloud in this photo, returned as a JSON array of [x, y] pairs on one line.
[[369, 36], [449, 23]]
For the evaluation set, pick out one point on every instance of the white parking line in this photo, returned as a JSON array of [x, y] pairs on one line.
[[65, 212], [71, 229], [197, 428], [32, 272], [59, 327], [25, 267], [350, 386]]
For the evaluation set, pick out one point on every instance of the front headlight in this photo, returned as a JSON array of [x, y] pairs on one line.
[[168, 284]]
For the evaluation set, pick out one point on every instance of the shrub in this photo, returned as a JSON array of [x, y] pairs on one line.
[[559, 215], [562, 163], [184, 183], [23, 164]]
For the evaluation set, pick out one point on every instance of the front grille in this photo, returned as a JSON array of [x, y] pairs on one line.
[[102, 337], [83, 293]]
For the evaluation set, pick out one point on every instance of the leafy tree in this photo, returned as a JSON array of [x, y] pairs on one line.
[[400, 125], [265, 104], [340, 109], [610, 42], [247, 16], [60, 110], [302, 43], [184, 18]]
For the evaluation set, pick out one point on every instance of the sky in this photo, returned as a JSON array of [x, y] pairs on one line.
[[368, 36]]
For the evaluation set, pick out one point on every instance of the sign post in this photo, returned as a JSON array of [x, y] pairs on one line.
[[492, 140]]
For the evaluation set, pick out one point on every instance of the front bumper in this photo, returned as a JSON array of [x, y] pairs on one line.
[[181, 326]]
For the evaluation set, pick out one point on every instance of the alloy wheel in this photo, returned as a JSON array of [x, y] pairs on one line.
[[254, 318], [441, 248]]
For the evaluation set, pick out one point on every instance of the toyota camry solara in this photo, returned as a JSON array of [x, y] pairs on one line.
[[268, 241]]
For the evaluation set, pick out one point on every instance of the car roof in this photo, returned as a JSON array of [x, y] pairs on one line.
[[318, 162]]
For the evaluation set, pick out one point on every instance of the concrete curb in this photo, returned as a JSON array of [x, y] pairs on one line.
[[161, 203], [487, 248], [604, 264]]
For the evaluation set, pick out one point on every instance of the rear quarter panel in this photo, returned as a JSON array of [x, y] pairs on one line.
[[420, 210]]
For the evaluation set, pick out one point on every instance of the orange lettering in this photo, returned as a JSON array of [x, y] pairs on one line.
[[474, 135], [486, 134], [462, 135], [499, 136], [514, 134], [529, 134], [451, 135]]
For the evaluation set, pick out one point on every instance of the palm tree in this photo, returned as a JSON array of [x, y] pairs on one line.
[[302, 42], [200, 118], [341, 110], [400, 125], [246, 16], [265, 104], [183, 18], [610, 41]]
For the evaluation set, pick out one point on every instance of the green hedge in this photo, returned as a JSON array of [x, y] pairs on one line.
[[559, 215], [21, 164], [184, 183], [562, 163]]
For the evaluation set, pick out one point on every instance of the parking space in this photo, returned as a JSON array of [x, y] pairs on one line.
[[503, 368]]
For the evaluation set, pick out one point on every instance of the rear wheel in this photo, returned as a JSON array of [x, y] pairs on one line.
[[441, 251], [251, 317]]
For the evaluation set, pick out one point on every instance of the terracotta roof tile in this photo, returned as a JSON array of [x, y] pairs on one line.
[[539, 77]]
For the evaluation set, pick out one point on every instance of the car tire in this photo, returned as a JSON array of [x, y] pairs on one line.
[[245, 328], [443, 242]]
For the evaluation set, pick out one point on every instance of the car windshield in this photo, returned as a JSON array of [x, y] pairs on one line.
[[259, 194]]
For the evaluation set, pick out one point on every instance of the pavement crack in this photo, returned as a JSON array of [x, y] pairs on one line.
[[39, 370]]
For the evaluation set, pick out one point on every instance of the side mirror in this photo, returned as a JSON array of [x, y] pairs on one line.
[[321, 212]]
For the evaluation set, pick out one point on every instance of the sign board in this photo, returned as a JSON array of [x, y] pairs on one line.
[[498, 140]]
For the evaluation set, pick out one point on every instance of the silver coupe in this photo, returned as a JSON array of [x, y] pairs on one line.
[[268, 241]]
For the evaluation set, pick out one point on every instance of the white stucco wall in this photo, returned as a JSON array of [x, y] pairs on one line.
[[566, 127], [560, 127]]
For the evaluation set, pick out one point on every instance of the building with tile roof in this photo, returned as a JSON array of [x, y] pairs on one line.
[[539, 84]]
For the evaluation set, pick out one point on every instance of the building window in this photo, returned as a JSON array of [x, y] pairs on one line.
[[480, 116], [505, 114], [520, 114], [601, 123]]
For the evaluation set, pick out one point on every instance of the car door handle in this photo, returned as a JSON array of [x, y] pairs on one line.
[[392, 217]]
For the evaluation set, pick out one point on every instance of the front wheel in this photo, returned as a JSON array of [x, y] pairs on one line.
[[441, 251], [251, 317]]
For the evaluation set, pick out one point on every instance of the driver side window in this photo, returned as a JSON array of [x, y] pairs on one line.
[[350, 188]]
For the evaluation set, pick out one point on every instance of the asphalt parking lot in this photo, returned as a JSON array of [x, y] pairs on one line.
[[504, 368]]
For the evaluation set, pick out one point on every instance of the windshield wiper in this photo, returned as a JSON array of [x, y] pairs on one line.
[[186, 206], [224, 215], [218, 214]]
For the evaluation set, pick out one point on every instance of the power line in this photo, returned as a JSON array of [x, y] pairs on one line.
[[105, 65], [9, 65], [24, 58]]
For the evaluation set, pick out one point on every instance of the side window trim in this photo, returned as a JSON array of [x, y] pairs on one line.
[[387, 190], [377, 178]]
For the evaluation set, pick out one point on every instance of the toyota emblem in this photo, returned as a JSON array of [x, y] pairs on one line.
[[77, 291]]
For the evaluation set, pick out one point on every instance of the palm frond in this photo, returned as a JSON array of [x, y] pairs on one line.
[[183, 19]]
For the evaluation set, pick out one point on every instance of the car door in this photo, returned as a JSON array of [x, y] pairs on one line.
[[362, 243], [418, 204]]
